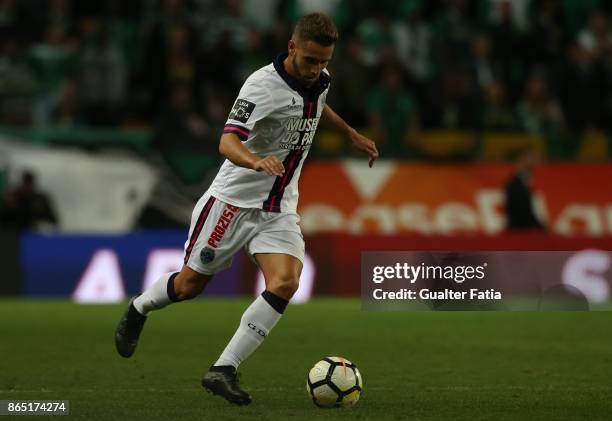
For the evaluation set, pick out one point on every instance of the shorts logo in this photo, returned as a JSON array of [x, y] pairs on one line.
[[222, 225], [207, 255], [242, 110]]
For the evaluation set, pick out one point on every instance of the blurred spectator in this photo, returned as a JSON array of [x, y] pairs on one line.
[[65, 111], [59, 15], [180, 128], [17, 84], [393, 114], [412, 39], [226, 35], [482, 72], [170, 48], [52, 61], [180, 59], [537, 111], [255, 56], [8, 17], [260, 14], [184, 140], [101, 76], [455, 101], [263, 43], [481, 66], [587, 83], [596, 38], [349, 76], [339, 10], [35, 17], [508, 49], [452, 30], [548, 35], [578, 11], [468, 62], [582, 89], [497, 114], [276, 41], [25, 207], [218, 105], [520, 214], [229, 23], [169, 12], [375, 37], [512, 12]]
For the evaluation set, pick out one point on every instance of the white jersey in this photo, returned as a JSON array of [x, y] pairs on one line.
[[273, 115]]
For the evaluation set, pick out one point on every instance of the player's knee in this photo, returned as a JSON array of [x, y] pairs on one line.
[[188, 287], [285, 286]]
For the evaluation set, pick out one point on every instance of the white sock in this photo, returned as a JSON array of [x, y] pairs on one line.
[[158, 295], [255, 325]]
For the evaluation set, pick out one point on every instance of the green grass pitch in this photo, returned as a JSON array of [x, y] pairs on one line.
[[421, 366]]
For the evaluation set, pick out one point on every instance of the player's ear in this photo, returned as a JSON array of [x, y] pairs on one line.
[[291, 47]]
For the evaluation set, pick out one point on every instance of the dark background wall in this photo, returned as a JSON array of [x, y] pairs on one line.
[[9, 257]]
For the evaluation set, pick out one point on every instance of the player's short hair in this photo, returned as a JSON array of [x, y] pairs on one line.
[[317, 27]]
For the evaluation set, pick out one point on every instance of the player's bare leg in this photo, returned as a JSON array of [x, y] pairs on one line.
[[282, 274], [169, 288]]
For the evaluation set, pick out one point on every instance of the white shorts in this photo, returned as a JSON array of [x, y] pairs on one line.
[[218, 231]]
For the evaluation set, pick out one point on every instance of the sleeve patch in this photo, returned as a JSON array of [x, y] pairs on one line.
[[242, 110]]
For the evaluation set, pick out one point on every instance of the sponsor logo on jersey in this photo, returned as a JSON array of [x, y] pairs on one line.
[[222, 225], [294, 105], [300, 133], [242, 110]]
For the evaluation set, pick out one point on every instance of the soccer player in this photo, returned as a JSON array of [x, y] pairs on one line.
[[252, 202]]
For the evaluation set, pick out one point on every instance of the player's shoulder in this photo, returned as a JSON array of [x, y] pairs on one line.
[[264, 76], [266, 83]]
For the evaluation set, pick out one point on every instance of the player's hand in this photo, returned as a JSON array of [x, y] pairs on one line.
[[365, 145], [271, 165]]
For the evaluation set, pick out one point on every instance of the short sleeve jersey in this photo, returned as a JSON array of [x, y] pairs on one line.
[[273, 115]]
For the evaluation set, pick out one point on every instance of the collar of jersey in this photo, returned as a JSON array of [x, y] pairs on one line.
[[314, 91]]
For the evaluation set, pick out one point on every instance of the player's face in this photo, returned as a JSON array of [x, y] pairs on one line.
[[309, 59]]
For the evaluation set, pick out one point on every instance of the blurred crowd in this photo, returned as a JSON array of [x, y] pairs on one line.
[[538, 66]]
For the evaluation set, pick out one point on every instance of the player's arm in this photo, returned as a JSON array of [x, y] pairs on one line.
[[233, 149], [330, 119]]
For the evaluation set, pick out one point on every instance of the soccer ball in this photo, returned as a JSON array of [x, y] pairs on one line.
[[334, 382]]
